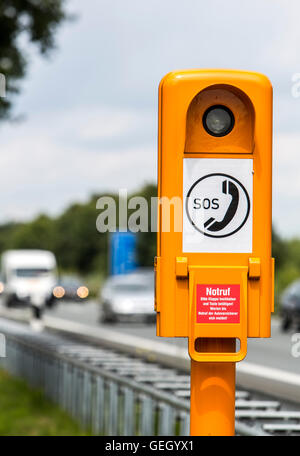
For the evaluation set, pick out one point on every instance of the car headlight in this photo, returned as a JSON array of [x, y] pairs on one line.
[[82, 292], [58, 292]]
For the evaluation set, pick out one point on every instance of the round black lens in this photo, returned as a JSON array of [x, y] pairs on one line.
[[218, 120]]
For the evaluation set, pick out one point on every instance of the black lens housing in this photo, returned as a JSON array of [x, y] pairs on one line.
[[230, 120]]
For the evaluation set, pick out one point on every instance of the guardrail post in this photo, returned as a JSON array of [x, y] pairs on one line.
[[98, 421], [129, 412], [166, 420], [113, 408]]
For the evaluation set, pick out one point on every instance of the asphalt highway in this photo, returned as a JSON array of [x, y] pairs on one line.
[[281, 351]]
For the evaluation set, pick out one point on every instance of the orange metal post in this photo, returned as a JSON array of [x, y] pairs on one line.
[[213, 392]]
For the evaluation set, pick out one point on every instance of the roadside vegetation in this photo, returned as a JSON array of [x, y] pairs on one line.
[[26, 412]]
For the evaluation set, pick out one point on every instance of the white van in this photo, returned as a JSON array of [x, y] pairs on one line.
[[28, 275]]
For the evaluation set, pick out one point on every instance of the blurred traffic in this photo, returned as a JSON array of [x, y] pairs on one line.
[[70, 288], [30, 279], [128, 297], [290, 307], [28, 276]]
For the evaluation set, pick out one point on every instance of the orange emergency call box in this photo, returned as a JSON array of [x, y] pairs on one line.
[[214, 271]]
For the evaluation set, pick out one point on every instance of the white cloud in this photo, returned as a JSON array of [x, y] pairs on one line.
[[99, 123], [43, 169]]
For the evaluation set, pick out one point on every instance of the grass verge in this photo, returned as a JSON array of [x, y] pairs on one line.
[[26, 412]]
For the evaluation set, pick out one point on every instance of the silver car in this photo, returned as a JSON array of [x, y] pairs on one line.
[[128, 297]]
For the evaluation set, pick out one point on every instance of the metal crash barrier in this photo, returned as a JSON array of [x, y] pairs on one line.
[[102, 401]]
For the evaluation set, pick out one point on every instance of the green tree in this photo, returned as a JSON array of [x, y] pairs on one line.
[[7, 232], [79, 246], [38, 21], [38, 234], [293, 252], [279, 249]]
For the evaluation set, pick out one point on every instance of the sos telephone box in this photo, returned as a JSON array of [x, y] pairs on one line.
[[214, 271]]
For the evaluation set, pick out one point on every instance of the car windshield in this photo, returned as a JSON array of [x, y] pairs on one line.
[[31, 272], [132, 287], [294, 289], [70, 282]]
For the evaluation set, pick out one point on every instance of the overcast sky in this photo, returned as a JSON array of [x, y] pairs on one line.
[[91, 109]]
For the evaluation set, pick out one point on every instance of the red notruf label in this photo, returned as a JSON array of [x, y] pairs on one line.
[[218, 303]]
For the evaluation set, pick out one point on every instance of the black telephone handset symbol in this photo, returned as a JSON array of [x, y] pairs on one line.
[[230, 188]]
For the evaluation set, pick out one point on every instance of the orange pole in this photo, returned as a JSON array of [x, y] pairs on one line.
[[212, 407]]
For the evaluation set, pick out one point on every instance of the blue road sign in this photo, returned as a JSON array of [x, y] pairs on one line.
[[122, 252]]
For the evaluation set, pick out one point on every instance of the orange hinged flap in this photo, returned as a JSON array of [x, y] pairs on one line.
[[218, 310]]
